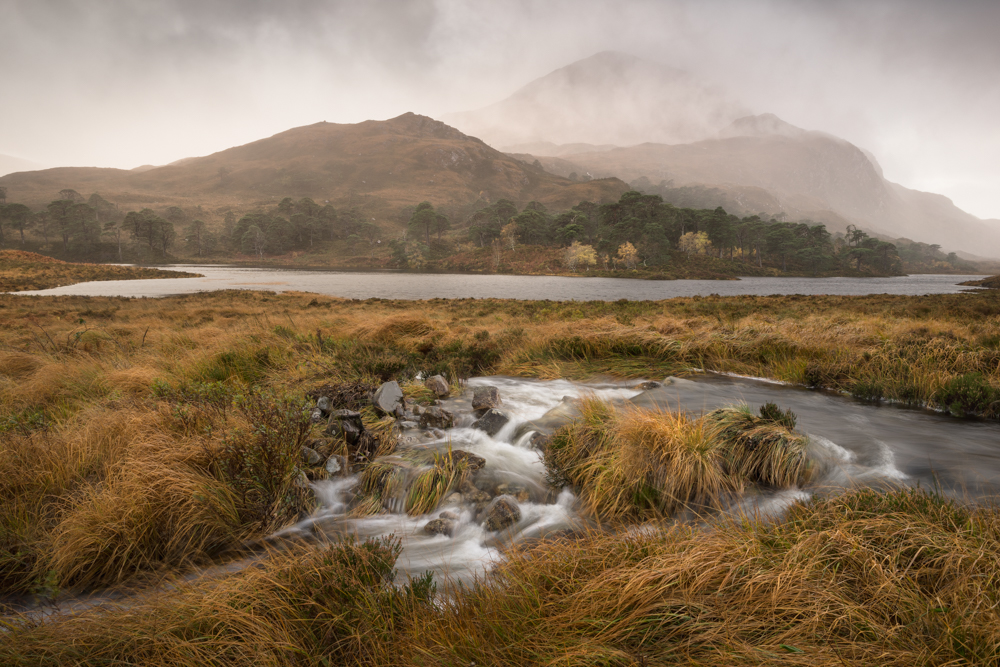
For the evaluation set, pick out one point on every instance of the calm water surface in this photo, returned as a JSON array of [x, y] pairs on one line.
[[388, 285]]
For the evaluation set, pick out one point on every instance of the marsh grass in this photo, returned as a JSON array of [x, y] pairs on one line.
[[113, 450], [631, 463], [760, 448], [431, 486], [866, 577]]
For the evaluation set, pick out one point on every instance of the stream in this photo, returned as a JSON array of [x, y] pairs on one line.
[[851, 444]]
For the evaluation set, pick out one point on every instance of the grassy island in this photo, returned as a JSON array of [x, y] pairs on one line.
[[142, 439], [23, 271]]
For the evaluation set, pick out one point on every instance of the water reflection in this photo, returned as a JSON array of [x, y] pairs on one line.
[[390, 285]]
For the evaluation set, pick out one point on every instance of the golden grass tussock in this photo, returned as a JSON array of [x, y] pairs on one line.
[[867, 577], [629, 463], [760, 448], [18, 365], [432, 485]]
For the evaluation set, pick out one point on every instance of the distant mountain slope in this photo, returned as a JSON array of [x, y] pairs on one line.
[[805, 175], [398, 162], [609, 98], [10, 164]]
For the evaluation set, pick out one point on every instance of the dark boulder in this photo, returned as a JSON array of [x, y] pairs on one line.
[[438, 385], [346, 424], [436, 418], [472, 461], [491, 422], [484, 398], [440, 527], [502, 513]]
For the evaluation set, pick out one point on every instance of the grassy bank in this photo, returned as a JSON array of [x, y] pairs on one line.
[[60, 354], [900, 578], [22, 271], [140, 438]]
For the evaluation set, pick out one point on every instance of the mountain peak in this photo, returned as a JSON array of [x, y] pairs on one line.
[[608, 98], [765, 124]]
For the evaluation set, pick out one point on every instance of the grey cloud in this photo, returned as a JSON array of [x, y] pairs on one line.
[[122, 83]]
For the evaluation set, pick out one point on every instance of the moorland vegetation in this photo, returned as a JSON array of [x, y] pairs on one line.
[[144, 438]]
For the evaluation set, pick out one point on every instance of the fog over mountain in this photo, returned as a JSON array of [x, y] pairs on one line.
[[912, 82], [608, 98], [10, 164]]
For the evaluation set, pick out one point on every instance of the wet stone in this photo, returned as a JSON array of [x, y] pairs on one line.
[[516, 491], [448, 515], [646, 386], [491, 422], [486, 397], [438, 385], [346, 424], [436, 418], [502, 513], [335, 464], [440, 527], [472, 461], [539, 441], [388, 397]]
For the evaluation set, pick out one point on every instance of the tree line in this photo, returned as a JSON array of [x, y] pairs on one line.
[[642, 229], [79, 227], [637, 231]]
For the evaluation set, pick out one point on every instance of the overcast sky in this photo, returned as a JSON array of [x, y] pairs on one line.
[[128, 82]]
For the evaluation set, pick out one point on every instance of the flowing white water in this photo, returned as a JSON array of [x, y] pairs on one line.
[[850, 444]]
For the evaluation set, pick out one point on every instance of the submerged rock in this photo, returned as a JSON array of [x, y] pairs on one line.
[[516, 491], [436, 418], [472, 461], [387, 398], [484, 398], [539, 442], [472, 494], [491, 422], [336, 464], [448, 515], [438, 385], [650, 384], [502, 513], [440, 526]]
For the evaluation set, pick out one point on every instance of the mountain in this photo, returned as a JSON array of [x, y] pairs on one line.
[[383, 164], [609, 98], [10, 164], [761, 164]]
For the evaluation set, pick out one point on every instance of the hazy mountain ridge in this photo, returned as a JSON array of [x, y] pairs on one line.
[[400, 162], [608, 98], [10, 164], [757, 163]]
